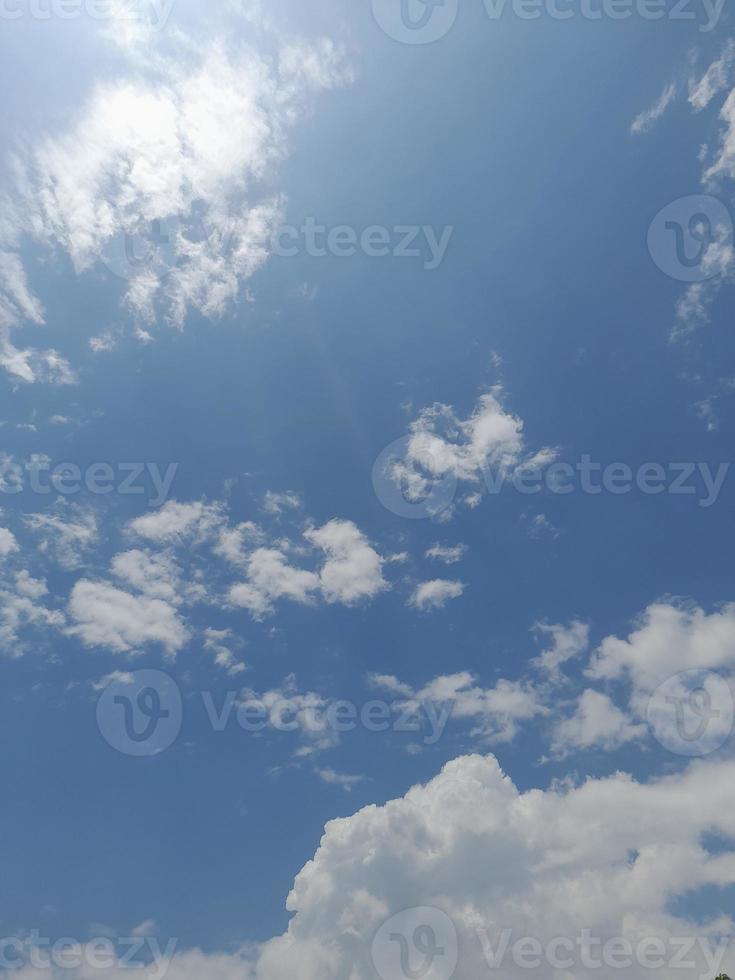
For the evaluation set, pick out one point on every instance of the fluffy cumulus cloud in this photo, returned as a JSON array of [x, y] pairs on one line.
[[483, 449], [496, 860], [597, 722], [350, 572], [435, 594], [166, 175], [104, 616], [353, 568], [667, 640]]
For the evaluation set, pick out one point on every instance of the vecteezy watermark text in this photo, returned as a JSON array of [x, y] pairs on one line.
[[426, 21], [40, 475], [424, 942], [421, 483], [153, 14], [38, 952], [141, 714], [154, 244]]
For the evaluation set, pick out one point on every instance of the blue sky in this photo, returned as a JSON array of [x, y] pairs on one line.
[[572, 626]]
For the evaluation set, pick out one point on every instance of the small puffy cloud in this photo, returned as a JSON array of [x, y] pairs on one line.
[[219, 643], [597, 722], [435, 594], [104, 616], [276, 503], [485, 447], [8, 543], [22, 612], [353, 569], [271, 577], [443, 443], [346, 782], [176, 523]]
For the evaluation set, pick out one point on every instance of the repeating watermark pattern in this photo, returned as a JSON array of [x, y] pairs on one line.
[[416, 944], [692, 713], [141, 714], [42, 476], [153, 14], [416, 493], [157, 245], [427, 21], [423, 943], [38, 952], [690, 237]]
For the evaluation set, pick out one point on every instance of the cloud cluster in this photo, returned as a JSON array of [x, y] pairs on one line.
[[166, 175]]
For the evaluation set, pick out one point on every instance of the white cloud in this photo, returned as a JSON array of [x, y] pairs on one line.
[[67, 535], [487, 446], [435, 594], [496, 712], [219, 643], [347, 783], [667, 640], [493, 858], [714, 80], [105, 616], [8, 543], [21, 611], [275, 503], [596, 722], [443, 443], [156, 575], [567, 642], [448, 554], [270, 577], [646, 120], [176, 523], [353, 569], [189, 143]]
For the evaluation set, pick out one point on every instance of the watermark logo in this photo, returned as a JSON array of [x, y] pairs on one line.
[[415, 21], [404, 491], [141, 714], [688, 238], [418, 944], [693, 713]]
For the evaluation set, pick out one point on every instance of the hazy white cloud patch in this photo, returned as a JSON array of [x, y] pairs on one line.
[[67, 535], [714, 80], [649, 117], [447, 554], [167, 174]]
